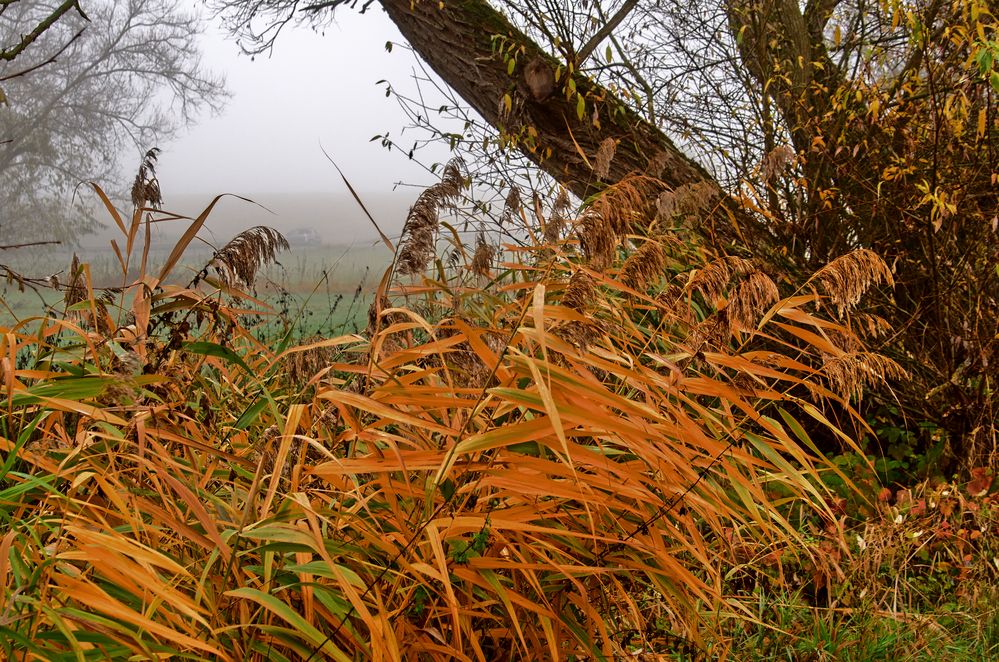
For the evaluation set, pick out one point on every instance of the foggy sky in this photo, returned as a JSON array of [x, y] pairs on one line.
[[314, 89]]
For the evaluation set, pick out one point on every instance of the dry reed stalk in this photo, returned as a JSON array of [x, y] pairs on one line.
[[482, 259], [238, 261], [146, 187], [419, 234]]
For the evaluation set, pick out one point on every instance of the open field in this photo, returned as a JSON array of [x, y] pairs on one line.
[[312, 290]]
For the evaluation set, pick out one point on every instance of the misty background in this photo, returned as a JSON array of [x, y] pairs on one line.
[[266, 147], [318, 90]]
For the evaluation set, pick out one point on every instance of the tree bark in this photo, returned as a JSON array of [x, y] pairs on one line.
[[458, 40]]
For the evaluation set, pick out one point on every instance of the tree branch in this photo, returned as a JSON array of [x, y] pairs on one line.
[[8, 54], [604, 32], [49, 61]]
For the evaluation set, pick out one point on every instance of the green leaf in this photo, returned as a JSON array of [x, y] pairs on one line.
[[69, 388], [323, 569], [306, 630], [250, 414], [214, 349], [580, 106]]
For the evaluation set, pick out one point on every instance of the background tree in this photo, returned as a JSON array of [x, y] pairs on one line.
[[130, 79], [829, 125]]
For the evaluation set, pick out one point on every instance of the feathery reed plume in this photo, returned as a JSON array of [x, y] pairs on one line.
[[850, 372], [846, 278], [482, 259], [597, 239], [657, 164], [776, 162], [76, 290], [644, 266], [627, 202], [870, 325], [420, 234], [666, 205], [146, 188], [301, 367], [580, 334], [755, 294], [713, 279], [511, 206], [708, 334], [603, 158], [237, 262], [556, 222], [579, 291], [420, 231], [690, 199]]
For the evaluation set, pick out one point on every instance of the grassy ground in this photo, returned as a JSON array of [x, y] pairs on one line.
[[312, 290]]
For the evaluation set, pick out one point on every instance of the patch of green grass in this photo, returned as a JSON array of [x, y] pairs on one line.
[[790, 629], [312, 290]]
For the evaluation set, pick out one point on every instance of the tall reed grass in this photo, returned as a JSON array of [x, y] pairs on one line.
[[558, 450]]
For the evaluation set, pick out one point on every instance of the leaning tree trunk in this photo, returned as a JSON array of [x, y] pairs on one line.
[[461, 40]]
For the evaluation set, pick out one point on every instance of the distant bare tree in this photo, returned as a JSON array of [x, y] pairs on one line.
[[9, 51], [130, 76]]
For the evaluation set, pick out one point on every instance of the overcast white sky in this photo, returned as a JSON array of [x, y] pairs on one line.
[[314, 89]]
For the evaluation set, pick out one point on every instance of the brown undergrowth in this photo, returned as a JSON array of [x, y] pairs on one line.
[[560, 451]]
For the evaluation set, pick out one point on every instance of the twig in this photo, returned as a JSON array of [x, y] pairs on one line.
[[32, 243], [47, 62]]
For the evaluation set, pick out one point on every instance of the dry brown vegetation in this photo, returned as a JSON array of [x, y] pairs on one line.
[[533, 458]]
